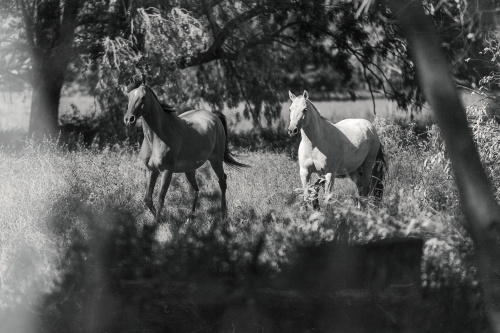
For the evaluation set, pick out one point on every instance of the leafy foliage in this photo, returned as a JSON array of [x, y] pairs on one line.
[[220, 52], [255, 52], [486, 133], [15, 61]]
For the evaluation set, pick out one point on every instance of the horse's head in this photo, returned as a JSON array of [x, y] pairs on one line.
[[298, 112], [136, 100]]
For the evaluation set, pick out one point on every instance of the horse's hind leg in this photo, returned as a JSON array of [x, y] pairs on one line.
[[191, 177], [166, 178], [150, 186], [219, 171], [366, 177], [357, 178]]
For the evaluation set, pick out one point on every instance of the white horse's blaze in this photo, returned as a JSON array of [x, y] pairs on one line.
[[348, 148], [298, 113]]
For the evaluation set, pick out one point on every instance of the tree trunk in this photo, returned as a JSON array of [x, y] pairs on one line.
[[478, 201], [47, 86], [53, 31], [113, 12]]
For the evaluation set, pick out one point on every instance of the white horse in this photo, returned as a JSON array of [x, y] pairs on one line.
[[350, 148]]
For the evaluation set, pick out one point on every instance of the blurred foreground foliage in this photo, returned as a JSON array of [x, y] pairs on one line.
[[119, 275]]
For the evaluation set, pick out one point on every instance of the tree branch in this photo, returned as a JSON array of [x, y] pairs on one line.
[[69, 22], [370, 88], [215, 51], [359, 57]]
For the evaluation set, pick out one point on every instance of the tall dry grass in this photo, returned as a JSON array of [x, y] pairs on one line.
[[45, 188], [56, 202]]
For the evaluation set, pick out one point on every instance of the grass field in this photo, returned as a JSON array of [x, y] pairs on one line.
[[57, 202]]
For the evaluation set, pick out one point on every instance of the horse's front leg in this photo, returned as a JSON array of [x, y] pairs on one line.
[[329, 182], [305, 176], [150, 186], [166, 178]]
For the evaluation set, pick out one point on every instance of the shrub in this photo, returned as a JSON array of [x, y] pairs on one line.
[[95, 129]]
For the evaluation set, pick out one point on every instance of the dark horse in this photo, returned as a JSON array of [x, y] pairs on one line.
[[175, 144]]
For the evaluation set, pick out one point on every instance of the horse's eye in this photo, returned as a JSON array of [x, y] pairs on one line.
[[305, 110]]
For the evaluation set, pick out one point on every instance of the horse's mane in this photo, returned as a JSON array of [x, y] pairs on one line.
[[133, 85], [315, 109], [166, 107]]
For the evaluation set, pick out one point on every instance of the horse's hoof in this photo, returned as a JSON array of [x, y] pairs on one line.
[[153, 211]]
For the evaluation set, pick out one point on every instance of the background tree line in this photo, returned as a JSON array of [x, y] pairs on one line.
[[222, 52]]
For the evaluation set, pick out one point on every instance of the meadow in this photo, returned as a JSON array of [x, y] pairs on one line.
[[71, 219], [15, 108]]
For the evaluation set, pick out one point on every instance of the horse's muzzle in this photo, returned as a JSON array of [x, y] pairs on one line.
[[293, 132], [129, 120]]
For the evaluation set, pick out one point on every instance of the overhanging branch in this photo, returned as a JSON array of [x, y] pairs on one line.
[[216, 51]]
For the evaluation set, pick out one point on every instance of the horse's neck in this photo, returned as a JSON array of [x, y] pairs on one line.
[[316, 126], [161, 124], [148, 131]]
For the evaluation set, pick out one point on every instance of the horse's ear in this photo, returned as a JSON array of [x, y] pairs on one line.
[[292, 96], [144, 79], [306, 94]]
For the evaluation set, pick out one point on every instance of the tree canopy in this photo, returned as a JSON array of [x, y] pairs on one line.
[[220, 52]]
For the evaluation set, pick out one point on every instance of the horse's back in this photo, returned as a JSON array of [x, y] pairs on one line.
[[354, 124], [360, 122], [361, 142], [201, 120], [202, 137], [357, 130]]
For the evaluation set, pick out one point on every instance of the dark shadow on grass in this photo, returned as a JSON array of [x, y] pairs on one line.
[[117, 277]]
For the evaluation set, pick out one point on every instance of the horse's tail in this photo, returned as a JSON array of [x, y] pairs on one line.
[[228, 156], [378, 174]]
